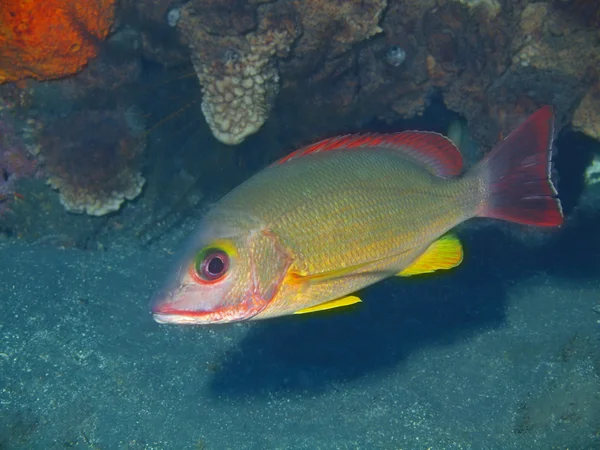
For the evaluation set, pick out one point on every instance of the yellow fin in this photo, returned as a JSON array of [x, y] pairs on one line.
[[294, 277], [344, 301], [445, 253]]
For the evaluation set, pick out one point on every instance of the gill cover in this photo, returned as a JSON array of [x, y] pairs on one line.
[[269, 265]]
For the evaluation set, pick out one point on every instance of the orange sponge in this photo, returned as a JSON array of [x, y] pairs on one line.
[[47, 39]]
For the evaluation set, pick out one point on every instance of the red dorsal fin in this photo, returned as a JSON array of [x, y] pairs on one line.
[[432, 150]]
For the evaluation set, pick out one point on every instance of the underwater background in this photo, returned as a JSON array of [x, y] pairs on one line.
[[122, 122]]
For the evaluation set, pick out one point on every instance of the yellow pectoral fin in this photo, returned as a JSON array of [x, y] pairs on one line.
[[297, 278], [344, 301], [445, 253]]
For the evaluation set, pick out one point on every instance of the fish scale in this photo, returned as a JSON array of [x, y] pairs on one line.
[[359, 218]]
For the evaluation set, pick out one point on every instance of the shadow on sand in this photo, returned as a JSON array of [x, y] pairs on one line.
[[399, 316]]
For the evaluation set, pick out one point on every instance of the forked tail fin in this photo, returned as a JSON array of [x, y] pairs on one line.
[[516, 174]]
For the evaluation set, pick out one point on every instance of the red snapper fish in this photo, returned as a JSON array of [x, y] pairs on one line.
[[310, 230]]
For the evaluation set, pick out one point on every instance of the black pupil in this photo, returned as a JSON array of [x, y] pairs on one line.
[[215, 265]]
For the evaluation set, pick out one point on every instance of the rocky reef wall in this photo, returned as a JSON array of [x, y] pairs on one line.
[[340, 61]]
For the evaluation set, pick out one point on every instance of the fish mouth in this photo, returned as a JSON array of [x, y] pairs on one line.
[[170, 313], [179, 318]]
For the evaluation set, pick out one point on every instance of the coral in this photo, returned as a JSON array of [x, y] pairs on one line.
[[155, 22], [552, 60], [16, 156], [339, 63], [238, 48], [587, 115], [104, 76], [238, 74], [92, 158], [496, 70], [492, 65], [492, 7], [52, 38], [334, 26], [326, 53]]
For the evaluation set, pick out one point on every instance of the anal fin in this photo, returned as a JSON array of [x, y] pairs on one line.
[[344, 301], [445, 253]]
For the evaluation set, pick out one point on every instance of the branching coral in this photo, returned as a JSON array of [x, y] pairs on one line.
[[51, 38], [93, 160]]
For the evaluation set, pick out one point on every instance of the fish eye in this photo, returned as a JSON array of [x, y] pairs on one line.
[[212, 265]]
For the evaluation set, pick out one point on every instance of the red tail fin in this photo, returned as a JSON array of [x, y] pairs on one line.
[[517, 175]]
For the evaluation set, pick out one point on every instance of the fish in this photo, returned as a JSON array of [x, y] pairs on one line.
[[309, 231]]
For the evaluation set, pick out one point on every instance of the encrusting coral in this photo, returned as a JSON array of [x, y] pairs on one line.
[[93, 160], [49, 39]]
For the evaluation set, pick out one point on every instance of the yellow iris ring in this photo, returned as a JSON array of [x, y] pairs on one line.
[[220, 245]]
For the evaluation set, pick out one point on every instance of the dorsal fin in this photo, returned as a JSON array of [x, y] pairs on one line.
[[432, 150]]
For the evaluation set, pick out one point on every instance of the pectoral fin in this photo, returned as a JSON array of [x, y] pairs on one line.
[[299, 278], [445, 253], [344, 301]]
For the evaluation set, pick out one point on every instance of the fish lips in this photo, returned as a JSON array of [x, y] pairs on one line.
[[180, 306]]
